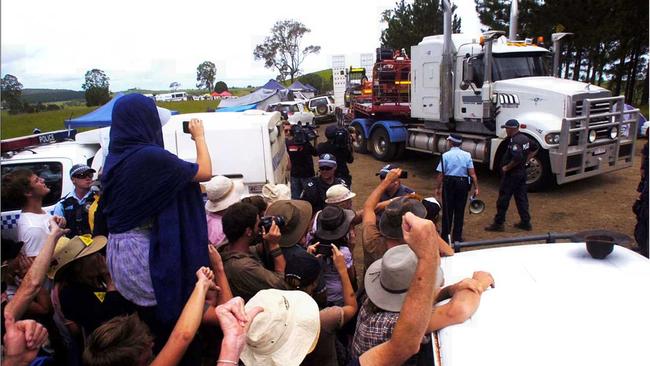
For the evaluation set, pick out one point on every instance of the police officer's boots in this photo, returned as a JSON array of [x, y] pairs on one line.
[[524, 225], [495, 227]]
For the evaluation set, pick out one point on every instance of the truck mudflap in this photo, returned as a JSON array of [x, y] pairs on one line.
[[599, 140]]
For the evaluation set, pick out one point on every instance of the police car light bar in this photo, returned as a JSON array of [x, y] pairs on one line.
[[33, 140]]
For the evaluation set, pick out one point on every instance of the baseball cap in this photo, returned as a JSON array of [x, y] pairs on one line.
[[304, 268], [80, 169], [327, 160], [383, 171], [330, 131], [511, 123]]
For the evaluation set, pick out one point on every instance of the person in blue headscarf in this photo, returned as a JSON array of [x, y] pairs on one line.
[[154, 212]]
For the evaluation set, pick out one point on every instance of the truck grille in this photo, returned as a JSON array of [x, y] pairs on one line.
[[596, 108]]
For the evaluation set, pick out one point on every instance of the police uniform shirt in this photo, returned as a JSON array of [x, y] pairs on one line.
[[518, 147], [457, 162], [58, 209]]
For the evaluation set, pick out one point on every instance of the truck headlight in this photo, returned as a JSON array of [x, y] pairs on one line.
[[613, 133], [592, 136], [552, 138]]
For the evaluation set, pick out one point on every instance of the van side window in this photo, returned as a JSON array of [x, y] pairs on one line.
[[51, 171]]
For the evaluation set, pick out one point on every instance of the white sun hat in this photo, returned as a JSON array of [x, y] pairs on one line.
[[285, 332], [222, 193], [338, 193]]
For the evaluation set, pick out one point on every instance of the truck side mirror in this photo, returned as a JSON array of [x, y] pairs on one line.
[[468, 73]]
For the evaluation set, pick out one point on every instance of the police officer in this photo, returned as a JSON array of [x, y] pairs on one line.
[[315, 191], [513, 179], [456, 168], [338, 144], [75, 205]]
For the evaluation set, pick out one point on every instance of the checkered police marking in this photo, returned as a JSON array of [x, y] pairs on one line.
[[10, 221]]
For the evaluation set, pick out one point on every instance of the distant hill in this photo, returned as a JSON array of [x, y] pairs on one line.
[[50, 95]]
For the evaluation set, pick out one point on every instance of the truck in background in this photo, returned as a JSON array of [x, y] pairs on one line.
[[247, 146], [471, 85]]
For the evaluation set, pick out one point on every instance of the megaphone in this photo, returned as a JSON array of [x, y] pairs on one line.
[[476, 206]]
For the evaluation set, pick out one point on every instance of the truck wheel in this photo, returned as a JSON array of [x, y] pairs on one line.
[[538, 172], [381, 147], [360, 143]]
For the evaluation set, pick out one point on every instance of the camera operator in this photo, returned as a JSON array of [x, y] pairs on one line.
[[244, 269], [339, 144], [301, 151]]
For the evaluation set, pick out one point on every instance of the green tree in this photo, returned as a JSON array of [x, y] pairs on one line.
[[174, 85], [96, 87], [220, 87], [205, 74], [409, 23], [282, 51], [11, 90]]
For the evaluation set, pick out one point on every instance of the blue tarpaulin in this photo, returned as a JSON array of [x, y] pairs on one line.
[[237, 108], [273, 84], [100, 117]]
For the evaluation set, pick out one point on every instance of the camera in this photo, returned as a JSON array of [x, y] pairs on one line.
[[324, 249], [303, 134], [342, 138], [267, 221]]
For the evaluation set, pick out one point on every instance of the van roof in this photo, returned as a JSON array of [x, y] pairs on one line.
[[552, 305], [226, 120]]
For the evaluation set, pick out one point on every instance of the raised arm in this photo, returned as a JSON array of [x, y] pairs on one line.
[[188, 323], [369, 216], [415, 313], [31, 284], [202, 154], [349, 298]]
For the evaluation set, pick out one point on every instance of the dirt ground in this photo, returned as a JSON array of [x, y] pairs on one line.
[[601, 202]]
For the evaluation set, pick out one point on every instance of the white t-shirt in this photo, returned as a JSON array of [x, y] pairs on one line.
[[33, 229]]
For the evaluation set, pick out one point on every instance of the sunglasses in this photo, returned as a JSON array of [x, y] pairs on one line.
[[325, 168], [83, 176]]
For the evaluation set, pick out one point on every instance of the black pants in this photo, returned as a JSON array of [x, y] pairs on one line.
[[512, 184], [454, 199]]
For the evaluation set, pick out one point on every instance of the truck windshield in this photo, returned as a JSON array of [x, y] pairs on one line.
[[513, 65], [519, 65]]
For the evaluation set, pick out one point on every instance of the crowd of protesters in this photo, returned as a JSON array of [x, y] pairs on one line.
[[142, 271]]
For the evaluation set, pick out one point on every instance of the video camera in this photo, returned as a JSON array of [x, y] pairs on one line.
[[267, 221], [303, 134]]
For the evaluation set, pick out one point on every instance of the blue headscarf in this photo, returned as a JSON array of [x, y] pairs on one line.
[[142, 182]]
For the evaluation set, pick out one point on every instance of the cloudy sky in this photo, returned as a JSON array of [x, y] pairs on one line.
[[149, 44]]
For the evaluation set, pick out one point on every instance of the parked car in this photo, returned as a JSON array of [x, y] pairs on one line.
[[323, 108], [293, 112]]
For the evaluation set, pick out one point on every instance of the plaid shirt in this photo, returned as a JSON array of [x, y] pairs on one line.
[[374, 327]]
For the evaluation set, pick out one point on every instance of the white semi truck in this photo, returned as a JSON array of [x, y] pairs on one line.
[[472, 84]]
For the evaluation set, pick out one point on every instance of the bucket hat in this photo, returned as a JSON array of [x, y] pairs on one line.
[[276, 192], [338, 193], [297, 216], [390, 224], [333, 223], [68, 250], [285, 332], [222, 192]]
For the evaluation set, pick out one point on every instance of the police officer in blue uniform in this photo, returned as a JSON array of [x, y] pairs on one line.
[[75, 205], [513, 179], [456, 176]]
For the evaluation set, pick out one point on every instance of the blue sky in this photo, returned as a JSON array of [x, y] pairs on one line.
[[149, 44]]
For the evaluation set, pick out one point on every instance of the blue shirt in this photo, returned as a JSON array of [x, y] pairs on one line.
[[457, 162], [58, 209], [401, 191]]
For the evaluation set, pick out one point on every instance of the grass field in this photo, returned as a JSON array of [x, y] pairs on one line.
[[23, 124]]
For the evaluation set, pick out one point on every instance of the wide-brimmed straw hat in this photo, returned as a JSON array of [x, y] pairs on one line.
[[285, 332], [68, 250], [338, 193], [276, 192], [297, 216], [222, 193], [333, 223], [388, 279]]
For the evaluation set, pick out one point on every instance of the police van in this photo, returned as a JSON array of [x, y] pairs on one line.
[[247, 146]]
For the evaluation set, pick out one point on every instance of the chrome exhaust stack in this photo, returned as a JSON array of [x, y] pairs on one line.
[[446, 68], [514, 16], [557, 50]]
